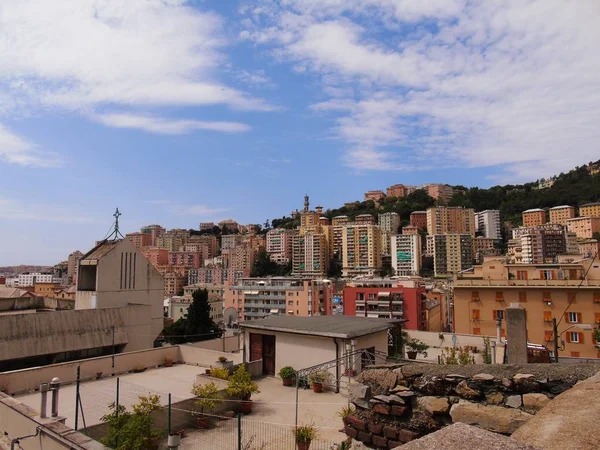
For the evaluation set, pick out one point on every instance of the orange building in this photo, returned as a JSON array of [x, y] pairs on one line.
[[397, 190], [140, 240], [374, 195], [590, 210], [561, 214], [156, 256], [533, 217], [546, 291], [584, 227], [418, 219]]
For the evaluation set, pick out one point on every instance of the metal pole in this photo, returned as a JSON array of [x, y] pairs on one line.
[[555, 331], [113, 346], [44, 401], [239, 430], [297, 386], [169, 426], [77, 398], [117, 411]]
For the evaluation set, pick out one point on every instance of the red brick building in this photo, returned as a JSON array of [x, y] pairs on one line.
[[418, 219]]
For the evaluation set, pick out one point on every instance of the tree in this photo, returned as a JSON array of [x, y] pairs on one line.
[[263, 266], [199, 325]]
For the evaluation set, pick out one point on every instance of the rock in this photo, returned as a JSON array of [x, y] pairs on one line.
[[375, 428], [455, 377], [556, 387], [400, 388], [364, 437], [518, 378], [406, 435], [398, 373], [388, 399], [412, 370], [422, 422], [494, 398], [453, 399], [357, 422], [492, 418], [463, 390], [405, 394], [359, 394], [433, 405], [429, 385], [399, 410], [506, 383], [381, 381], [513, 401], [535, 402], [527, 385], [381, 408], [483, 377], [390, 432]]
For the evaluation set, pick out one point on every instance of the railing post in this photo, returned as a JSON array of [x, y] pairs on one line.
[[77, 398], [239, 421]]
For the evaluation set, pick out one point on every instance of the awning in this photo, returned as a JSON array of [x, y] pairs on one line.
[[383, 294], [251, 292], [274, 311]]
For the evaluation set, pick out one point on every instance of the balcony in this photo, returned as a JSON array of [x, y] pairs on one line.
[[255, 314], [263, 305], [462, 282]]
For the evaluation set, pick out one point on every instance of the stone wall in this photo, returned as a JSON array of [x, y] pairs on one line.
[[399, 403]]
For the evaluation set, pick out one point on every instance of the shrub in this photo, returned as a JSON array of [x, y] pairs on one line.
[[219, 372], [222, 359], [305, 433], [321, 376], [415, 345], [456, 356], [241, 384], [287, 372], [208, 396], [346, 411]]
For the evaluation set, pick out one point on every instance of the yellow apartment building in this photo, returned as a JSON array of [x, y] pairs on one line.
[[546, 291], [458, 220], [590, 210], [561, 214], [533, 217], [361, 247], [584, 227]]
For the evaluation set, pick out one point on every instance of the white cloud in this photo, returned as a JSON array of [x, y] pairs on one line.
[[428, 84], [160, 125], [16, 150]]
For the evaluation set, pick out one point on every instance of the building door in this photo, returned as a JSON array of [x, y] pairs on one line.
[[268, 351], [256, 346]]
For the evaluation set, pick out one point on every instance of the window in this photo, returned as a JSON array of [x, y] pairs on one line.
[[597, 318], [573, 337], [499, 314], [548, 334], [596, 297], [546, 297], [522, 297], [475, 296], [547, 316], [499, 296], [547, 275], [476, 330], [291, 302], [573, 317], [521, 274], [476, 315]]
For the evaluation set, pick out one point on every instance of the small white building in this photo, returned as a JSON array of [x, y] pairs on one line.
[[303, 342]]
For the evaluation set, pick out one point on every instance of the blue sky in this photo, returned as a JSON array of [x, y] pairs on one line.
[[185, 111]]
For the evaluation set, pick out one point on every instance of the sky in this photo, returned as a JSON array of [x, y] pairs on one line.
[[181, 111]]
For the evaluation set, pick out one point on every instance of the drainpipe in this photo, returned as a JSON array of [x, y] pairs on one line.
[[337, 365], [17, 441], [54, 387]]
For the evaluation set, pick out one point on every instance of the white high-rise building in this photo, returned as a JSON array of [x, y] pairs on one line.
[[279, 245], [31, 278], [488, 223], [406, 254]]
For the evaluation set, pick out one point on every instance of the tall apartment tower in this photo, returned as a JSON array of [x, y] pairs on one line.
[[533, 217], [560, 214], [452, 253], [310, 256], [362, 249], [457, 220], [155, 231], [406, 254], [279, 245], [418, 219], [72, 261], [337, 226], [389, 223], [488, 223]]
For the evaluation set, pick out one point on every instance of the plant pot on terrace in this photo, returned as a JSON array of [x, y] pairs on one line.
[[304, 435], [242, 386], [288, 375], [411, 354], [224, 363], [416, 347], [207, 398], [318, 379]]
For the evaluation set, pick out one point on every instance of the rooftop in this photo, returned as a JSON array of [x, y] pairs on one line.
[[562, 206], [345, 327], [590, 204], [11, 292], [100, 250], [533, 210]]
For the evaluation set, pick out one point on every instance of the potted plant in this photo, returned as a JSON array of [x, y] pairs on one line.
[[207, 398], [223, 362], [345, 412], [317, 379], [168, 362], [242, 386], [287, 374], [416, 347], [219, 372], [304, 435]]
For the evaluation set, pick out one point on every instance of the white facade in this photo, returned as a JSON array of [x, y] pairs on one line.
[[279, 245], [29, 279], [488, 223], [406, 254], [389, 222]]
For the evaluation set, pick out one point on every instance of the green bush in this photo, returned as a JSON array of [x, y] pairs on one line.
[[219, 372], [287, 373], [241, 384], [305, 433]]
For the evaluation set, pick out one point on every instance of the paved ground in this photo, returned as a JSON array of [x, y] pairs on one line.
[[272, 419], [98, 394]]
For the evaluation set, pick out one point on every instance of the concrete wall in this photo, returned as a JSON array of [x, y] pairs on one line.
[[433, 340], [12, 304], [195, 356], [224, 344], [377, 340], [26, 380]]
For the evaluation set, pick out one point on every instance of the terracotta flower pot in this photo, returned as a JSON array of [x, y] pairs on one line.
[[246, 406], [288, 381], [318, 388], [412, 355], [303, 445], [202, 422]]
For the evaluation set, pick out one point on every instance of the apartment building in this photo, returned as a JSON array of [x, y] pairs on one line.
[[178, 306], [207, 244], [230, 241], [256, 298], [483, 247], [310, 255], [545, 291], [389, 223], [155, 231], [590, 210], [32, 278], [452, 253], [533, 217], [409, 229], [190, 260], [374, 195], [337, 247], [72, 261], [441, 192], [419, 219], [240, 257], [542, 243], [156, 256], [140, 240], [365, 218], [406, 254], [229, 225], [561, 214], [206, 226], [589, 248], [172, 240], [397, 190], [386, 299], [456, 220], [488, 223], [361, 249], [216, 274], [584, 227], [174, 283], [279, 245]]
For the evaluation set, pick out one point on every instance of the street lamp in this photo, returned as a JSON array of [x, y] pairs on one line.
[[581, 326]]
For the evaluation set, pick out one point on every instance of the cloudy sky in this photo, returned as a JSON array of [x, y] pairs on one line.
[[185, 111]]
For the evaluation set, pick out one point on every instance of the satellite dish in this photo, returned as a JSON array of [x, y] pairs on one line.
[[230, 317]]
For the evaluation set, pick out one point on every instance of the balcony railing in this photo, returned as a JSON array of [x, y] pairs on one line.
[[520, 283], [263, 305]]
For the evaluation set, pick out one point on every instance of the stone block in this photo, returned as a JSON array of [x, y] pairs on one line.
[[394, 444], [406, 435], [535, 402], [351, 432], [381, 381], [405, 394], [400, 388], [376, 428], [455, 377], [483, 377], [398, 410], [429, 385], [357, 423], [364, 437], [379, 441], [433, 405], [390, 432], [388, 399], [518, 378], [359, 394], [513, 401], [381, 408], [463, 390], [492, 418], [494, 398]]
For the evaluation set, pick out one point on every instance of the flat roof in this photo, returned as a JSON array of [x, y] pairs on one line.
[[562, 206], [590, 204], [345, 327], [533, 210]]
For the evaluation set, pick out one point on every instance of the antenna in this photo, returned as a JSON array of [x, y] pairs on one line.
[[115, 232]]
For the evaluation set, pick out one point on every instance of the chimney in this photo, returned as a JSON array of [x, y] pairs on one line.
[[55, 387], [44, 404]]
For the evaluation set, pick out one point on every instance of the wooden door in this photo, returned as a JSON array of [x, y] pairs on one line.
[[256, 344], [268, 350]]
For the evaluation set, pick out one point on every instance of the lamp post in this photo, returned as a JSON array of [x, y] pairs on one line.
[[581, 326]]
